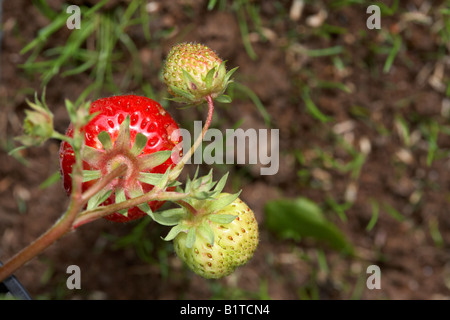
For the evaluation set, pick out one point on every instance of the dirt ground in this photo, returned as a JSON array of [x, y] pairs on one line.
[[412, 251]]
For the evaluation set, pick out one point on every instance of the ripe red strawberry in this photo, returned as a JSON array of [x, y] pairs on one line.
[[146, 117]]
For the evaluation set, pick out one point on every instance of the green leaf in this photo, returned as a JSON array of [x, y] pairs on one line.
[[222, 218], [211, 4], [191, 237], [55, 177], [89, 175], [301, 217], [169, 217], [155, 159], [313, 109], [206, 232], [175, 231]]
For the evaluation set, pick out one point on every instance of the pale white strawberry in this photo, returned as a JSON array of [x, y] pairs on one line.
[[232, 243]]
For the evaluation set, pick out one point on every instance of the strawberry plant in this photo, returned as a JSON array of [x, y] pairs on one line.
[[120, 159]]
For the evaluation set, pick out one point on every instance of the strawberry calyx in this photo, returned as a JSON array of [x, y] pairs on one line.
[[118, 152], [194, 71], [221, 236], [205, 199]]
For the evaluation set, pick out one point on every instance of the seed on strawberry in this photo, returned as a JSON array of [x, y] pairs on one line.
[[194, 71], [127, 129], [232, 243]]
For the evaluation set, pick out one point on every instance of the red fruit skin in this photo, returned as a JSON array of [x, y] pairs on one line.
[[147, 117]]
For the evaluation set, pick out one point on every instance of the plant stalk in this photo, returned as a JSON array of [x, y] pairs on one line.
[[177, 169], [62, 226]]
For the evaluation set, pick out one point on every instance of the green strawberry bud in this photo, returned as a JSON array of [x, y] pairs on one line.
[[37, 125], [213, 244], [194, 71]]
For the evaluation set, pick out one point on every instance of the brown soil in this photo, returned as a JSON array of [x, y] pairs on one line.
[[413, 264]]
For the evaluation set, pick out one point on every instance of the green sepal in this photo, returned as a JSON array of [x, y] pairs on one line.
[[204, 188], [146, 208], [123, 139], [71, 110], [105, 140], [187, 95], [150, 178], [202, 182], [179, 100], [137, 192], [139, 144], [210, 77], [206, 232], [164, 179], [229, 74], [222, 218], [189, 80], [173, 233], [154, 159], [202, 195], [169, 217], [15, 150], [38, 123], [191, 237], [79, 116], [91, 155], [98, 199], [223, 99], [222, 202], [220, 185], [89, 175], [121, 197], [174, 184]]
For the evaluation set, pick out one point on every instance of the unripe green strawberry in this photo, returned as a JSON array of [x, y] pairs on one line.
[[233, 245], [194, 71]]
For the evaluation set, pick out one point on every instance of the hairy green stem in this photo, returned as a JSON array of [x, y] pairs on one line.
[[155, 195], [177, 169]]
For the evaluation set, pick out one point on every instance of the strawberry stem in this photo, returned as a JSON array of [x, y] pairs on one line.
[[187, 206], [63, 225], [156, 194], [177, 169]]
